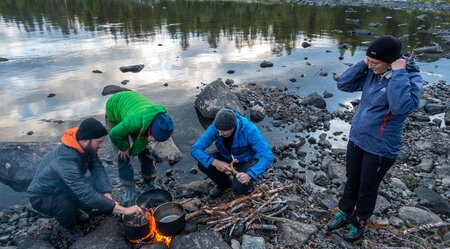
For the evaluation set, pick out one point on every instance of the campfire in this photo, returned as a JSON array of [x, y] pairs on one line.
[[153, 235]]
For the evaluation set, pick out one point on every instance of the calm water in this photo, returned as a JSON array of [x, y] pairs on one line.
[[53, 47]]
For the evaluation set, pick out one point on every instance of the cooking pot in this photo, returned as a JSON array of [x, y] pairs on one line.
[[135, 227], [152, 198], [170, 218]]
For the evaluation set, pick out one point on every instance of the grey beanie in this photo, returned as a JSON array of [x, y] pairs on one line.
[[225, 119]]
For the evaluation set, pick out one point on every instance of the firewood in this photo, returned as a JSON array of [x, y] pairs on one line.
[[264, 227], [425, 227], [250, 217]]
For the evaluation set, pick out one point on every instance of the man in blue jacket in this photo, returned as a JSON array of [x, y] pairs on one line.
[[235, 138], [61, 187], [391, 86]]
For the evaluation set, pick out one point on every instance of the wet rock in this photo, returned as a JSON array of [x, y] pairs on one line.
[[51, 95], [30, 133], [325, 143], [192, 205], [199, 240], [417, 216], [166, 151], [314, 99], [107, 235], [112, 89], [306, 44], [257, 113], [321, 179], [423, 17], [193, 171], [295, 234], [433, 109], [251, 242], [166, 84], [229, 82], [374, 25], [230, 72], [265, 64], [345, 46], [292, 80], [215, 96], [447, 118], [3, 59], [97, 71], [381, 206], [429, 49], [323, 73], [124, 82], [434, 201], [133, 68], [426, 164], [360, 32], [352, 21], [197, 187], [28, 242], [327, 94], [327, 200]]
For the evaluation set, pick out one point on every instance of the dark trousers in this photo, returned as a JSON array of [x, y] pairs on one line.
[[148, 169], [365, 171], [65, 208], [223, 181]]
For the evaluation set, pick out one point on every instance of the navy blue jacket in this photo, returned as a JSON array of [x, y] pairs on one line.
[[248, 144], [385, 103]]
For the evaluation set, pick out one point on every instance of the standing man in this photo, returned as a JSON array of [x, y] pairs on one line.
[[131, 115], [235, 138], [60, 187], [391, 86]]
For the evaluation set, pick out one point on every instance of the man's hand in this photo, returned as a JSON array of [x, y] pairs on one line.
[[124, 155], [220, 165], [119, 209], [243, 178], [398, 64], [108, 195]]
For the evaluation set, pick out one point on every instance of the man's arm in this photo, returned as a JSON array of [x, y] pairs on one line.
[[205, 140], [262, 148]]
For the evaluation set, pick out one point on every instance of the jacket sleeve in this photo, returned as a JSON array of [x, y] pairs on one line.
[[198, 149], [352, 79], [100, 177], [262, 148], [403, 91], [120, 133], [70, 173]]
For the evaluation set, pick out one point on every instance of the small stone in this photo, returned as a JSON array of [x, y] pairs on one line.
[[166, 84], [30, 133], [124, 82], [230, 72], [51, 95], [97, 71]]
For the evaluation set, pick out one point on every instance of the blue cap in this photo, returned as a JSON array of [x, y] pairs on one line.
[[162, 127]]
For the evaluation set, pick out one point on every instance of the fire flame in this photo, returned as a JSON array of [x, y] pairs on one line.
[[154, 235]]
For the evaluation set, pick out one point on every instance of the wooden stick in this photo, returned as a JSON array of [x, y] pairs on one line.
[[232, 169], [264, 227], [425, 227], [256, 211]]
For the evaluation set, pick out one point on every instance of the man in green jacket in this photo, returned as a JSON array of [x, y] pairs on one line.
[[130, 114]]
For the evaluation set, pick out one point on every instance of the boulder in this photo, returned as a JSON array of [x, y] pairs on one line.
[[314, 99], [28, 242], [381, 205], [195, 187], [265, 64], [417, 216], [133, 68], [294, 234], [199, 240], [429, 49], [108, 235], [112, 89], [215, 96], [257, 113], [166, 151], [426, 164], [433, 200], [433, 109]]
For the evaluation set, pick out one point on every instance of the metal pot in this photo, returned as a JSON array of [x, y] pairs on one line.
[[152, 198], [170, 218], [132, 231]]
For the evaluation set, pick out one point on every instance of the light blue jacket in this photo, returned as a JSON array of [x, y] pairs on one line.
[[385, 103], [248, 144]]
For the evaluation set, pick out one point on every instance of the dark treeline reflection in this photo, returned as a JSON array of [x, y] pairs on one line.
[[281, 23]]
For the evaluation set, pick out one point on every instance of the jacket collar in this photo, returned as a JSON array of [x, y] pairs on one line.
[[69, 139]]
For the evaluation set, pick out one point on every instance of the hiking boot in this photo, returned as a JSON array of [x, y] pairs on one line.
[[340, 220], [216, 192], [72, 233], [355, 232], [128, 197]]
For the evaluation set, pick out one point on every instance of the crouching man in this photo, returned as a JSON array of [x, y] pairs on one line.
[[61, 188], [235, 138]]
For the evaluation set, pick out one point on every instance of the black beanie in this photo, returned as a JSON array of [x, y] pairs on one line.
[[225, 120], [91, 128], [385, 48]]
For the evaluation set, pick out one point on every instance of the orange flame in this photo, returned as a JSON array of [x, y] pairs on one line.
[[154, 233]]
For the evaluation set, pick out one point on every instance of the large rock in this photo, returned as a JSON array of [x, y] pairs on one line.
[[429, 49], [107, 235], [314, 99], [28, 242], [18, 161], [251, 242], [132, 68], [447, 118], [112, 89], [215, 96], [417, 216], [166, 151], [295, 234], [434, 201], [433, 108], [194, 187], [257, 113], [381, 205], [199, 240]]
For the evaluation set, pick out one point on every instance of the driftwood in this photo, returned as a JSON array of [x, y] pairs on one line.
[[242, 212], [425, 227]]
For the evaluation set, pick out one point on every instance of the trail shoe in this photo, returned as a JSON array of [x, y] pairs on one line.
[[72, 233], [216, 192], [340, 220], [355, 232], [128, 197]]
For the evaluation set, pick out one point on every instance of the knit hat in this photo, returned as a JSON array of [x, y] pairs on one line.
[[91, 128], [385, 48], [162, 127], [225, 119]]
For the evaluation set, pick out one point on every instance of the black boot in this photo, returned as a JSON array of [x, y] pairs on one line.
[[340, 220], [356, 231], [216, 192]]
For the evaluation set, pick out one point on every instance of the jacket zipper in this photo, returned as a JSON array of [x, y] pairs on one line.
[[383, 125]]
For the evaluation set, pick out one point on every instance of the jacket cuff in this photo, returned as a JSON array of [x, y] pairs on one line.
[[252, 174]]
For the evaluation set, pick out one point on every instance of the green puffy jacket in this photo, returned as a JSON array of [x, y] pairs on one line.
[[133, 113]]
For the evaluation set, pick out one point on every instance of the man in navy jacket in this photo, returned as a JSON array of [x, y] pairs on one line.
[[235, 138]]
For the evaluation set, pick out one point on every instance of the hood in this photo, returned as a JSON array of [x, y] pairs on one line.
[[411, 65], [69, 139]]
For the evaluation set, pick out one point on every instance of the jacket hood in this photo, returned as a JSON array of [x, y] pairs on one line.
[[148, 117], [411, 65], [69, 139]]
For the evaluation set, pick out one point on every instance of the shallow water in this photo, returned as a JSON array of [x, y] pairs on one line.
[[53, 47]]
